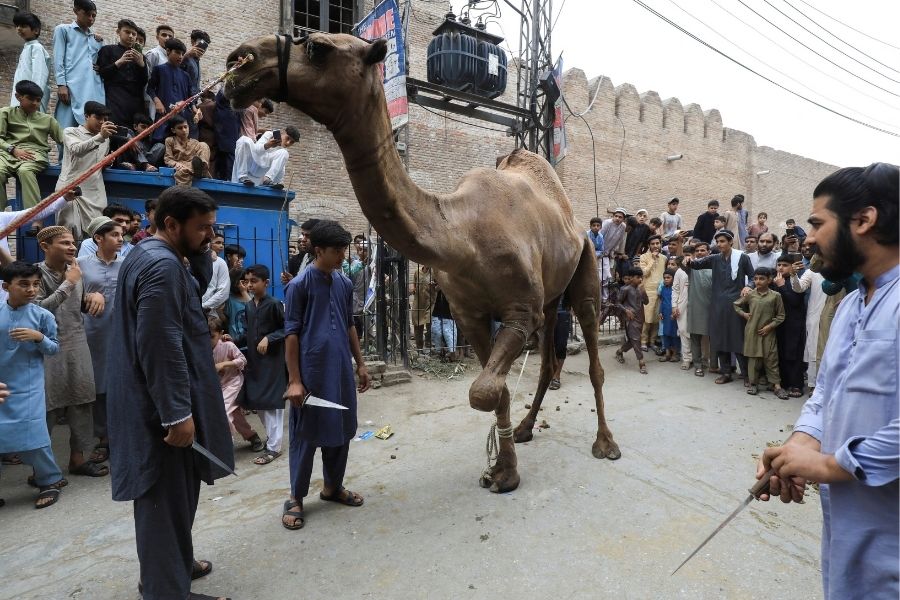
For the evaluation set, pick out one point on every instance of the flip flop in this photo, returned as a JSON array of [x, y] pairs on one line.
[[266, 457], [47, 492], [643, 369], [554, 384], [89, 469], [256, 444], [752, 390], [198, 570], [11, 459], [620, 358], [296, 514], [781, 394], [100, 453], [721, 379], [63, 482], [351, 499]]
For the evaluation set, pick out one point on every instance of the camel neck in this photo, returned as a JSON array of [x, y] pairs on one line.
[[406, 216]]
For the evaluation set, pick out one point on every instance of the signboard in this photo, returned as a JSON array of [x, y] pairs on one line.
[[384, 22], [558, 151]]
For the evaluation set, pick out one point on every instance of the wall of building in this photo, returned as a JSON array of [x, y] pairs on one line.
[[633, 132]]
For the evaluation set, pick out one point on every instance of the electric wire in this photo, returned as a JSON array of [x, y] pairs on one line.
[[841, 67], [659, 15], [863, 33], [843, 41], [827, 43], [892, 106], [782, 73]]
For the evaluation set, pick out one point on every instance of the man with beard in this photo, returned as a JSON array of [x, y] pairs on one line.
[[847, 438], [168, 395], [764, 255], [731, 270]]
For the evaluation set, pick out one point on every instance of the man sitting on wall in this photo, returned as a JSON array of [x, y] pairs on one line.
[[263, 162]]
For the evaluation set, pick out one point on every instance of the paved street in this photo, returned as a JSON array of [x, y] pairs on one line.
[[577, 527]]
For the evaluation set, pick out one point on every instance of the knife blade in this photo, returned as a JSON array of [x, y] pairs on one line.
[[761, 487], [212, 458], [321, 402]]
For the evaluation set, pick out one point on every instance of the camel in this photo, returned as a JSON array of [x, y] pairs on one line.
[[505, 244]]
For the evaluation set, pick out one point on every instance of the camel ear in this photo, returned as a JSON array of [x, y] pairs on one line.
[[376, 53], [318, 51]]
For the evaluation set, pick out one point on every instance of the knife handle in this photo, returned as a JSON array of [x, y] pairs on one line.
[[762, 486]]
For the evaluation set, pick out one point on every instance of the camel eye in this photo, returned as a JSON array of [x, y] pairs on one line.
[[318, 52]]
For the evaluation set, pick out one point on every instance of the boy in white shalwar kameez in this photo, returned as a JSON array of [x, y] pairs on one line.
[[263, 162]]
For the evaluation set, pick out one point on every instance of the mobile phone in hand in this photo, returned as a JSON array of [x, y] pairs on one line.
[[276, 135]]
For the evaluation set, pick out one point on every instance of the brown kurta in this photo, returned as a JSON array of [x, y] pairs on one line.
[[69, 375], [179, 156], [764, 309], [423, 298], [653, 273]]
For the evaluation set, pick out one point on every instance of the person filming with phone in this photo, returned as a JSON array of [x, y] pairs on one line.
[[263, 162]]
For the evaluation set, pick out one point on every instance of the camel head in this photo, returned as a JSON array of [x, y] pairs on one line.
[[326, 76]]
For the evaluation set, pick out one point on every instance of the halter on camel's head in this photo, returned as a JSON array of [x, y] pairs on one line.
[[320, 77]]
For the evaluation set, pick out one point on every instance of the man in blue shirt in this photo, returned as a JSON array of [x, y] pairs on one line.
[[848, 435]]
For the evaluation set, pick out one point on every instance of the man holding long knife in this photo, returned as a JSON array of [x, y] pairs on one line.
[[167, 425], [847, 438]]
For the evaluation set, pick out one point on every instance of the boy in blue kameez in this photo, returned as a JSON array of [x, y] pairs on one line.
[[27, 334], [169, 85], [320, 339], [75, 48]]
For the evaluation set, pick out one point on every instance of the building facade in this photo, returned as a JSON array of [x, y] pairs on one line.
[[633, 133]]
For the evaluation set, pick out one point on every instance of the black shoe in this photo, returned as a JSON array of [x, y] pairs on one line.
[[247, 181], [197, 167]]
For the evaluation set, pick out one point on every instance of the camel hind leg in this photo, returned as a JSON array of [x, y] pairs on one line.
[[584, 294], [524, 432]]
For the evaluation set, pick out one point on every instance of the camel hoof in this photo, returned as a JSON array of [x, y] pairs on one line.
[[506, 484], [523, 433], [485, 481], [603, 449]]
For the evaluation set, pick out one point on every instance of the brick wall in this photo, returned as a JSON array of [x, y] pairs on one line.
[[718, 162]]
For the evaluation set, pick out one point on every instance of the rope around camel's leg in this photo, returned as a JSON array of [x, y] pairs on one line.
[[492, 447]]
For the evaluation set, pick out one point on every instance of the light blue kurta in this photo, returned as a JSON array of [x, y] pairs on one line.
[[74, 55], [102, 277], [34, 65], [23, 417], [854, 414]]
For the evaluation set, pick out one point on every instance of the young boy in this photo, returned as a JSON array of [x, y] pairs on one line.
[[85, 145], [150, 229], [632, 299], [234, 256], [265, 375], [23, 142], [169, 85], [760, 226], [34, 61], [69, 375], [75, 49], [791, 333], [264, 162], [120, 215], [124, 74], [100, 274], [681, 291], [147, 154], [27, 334], [230, 364], [320, 340], [187, 156], [200, 41], [763, 310], [670, 340]]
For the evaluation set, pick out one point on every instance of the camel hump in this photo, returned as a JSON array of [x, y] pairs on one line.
[[518, 158], [521, 163]]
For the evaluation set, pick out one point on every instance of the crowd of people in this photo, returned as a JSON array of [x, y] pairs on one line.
[[724, 292], [108, 94]]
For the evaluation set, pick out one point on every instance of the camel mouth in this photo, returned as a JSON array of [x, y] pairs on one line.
[[240, 91]]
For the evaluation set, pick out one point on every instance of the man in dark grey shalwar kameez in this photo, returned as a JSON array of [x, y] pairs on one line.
[[731, 270], [165, 394]]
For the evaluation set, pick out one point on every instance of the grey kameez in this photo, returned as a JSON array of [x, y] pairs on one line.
[[699, 293], [69, 374]]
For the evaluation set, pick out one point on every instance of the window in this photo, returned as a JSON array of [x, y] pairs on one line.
[[333, 16]]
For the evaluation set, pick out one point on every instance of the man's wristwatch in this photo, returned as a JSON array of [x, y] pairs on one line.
[[11, 149]]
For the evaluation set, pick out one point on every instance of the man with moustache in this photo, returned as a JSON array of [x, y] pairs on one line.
[[764, 255], [166, 393], [847, 438]]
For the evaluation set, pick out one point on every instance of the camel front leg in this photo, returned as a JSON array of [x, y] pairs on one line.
[[503, 476], [485, 393]]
